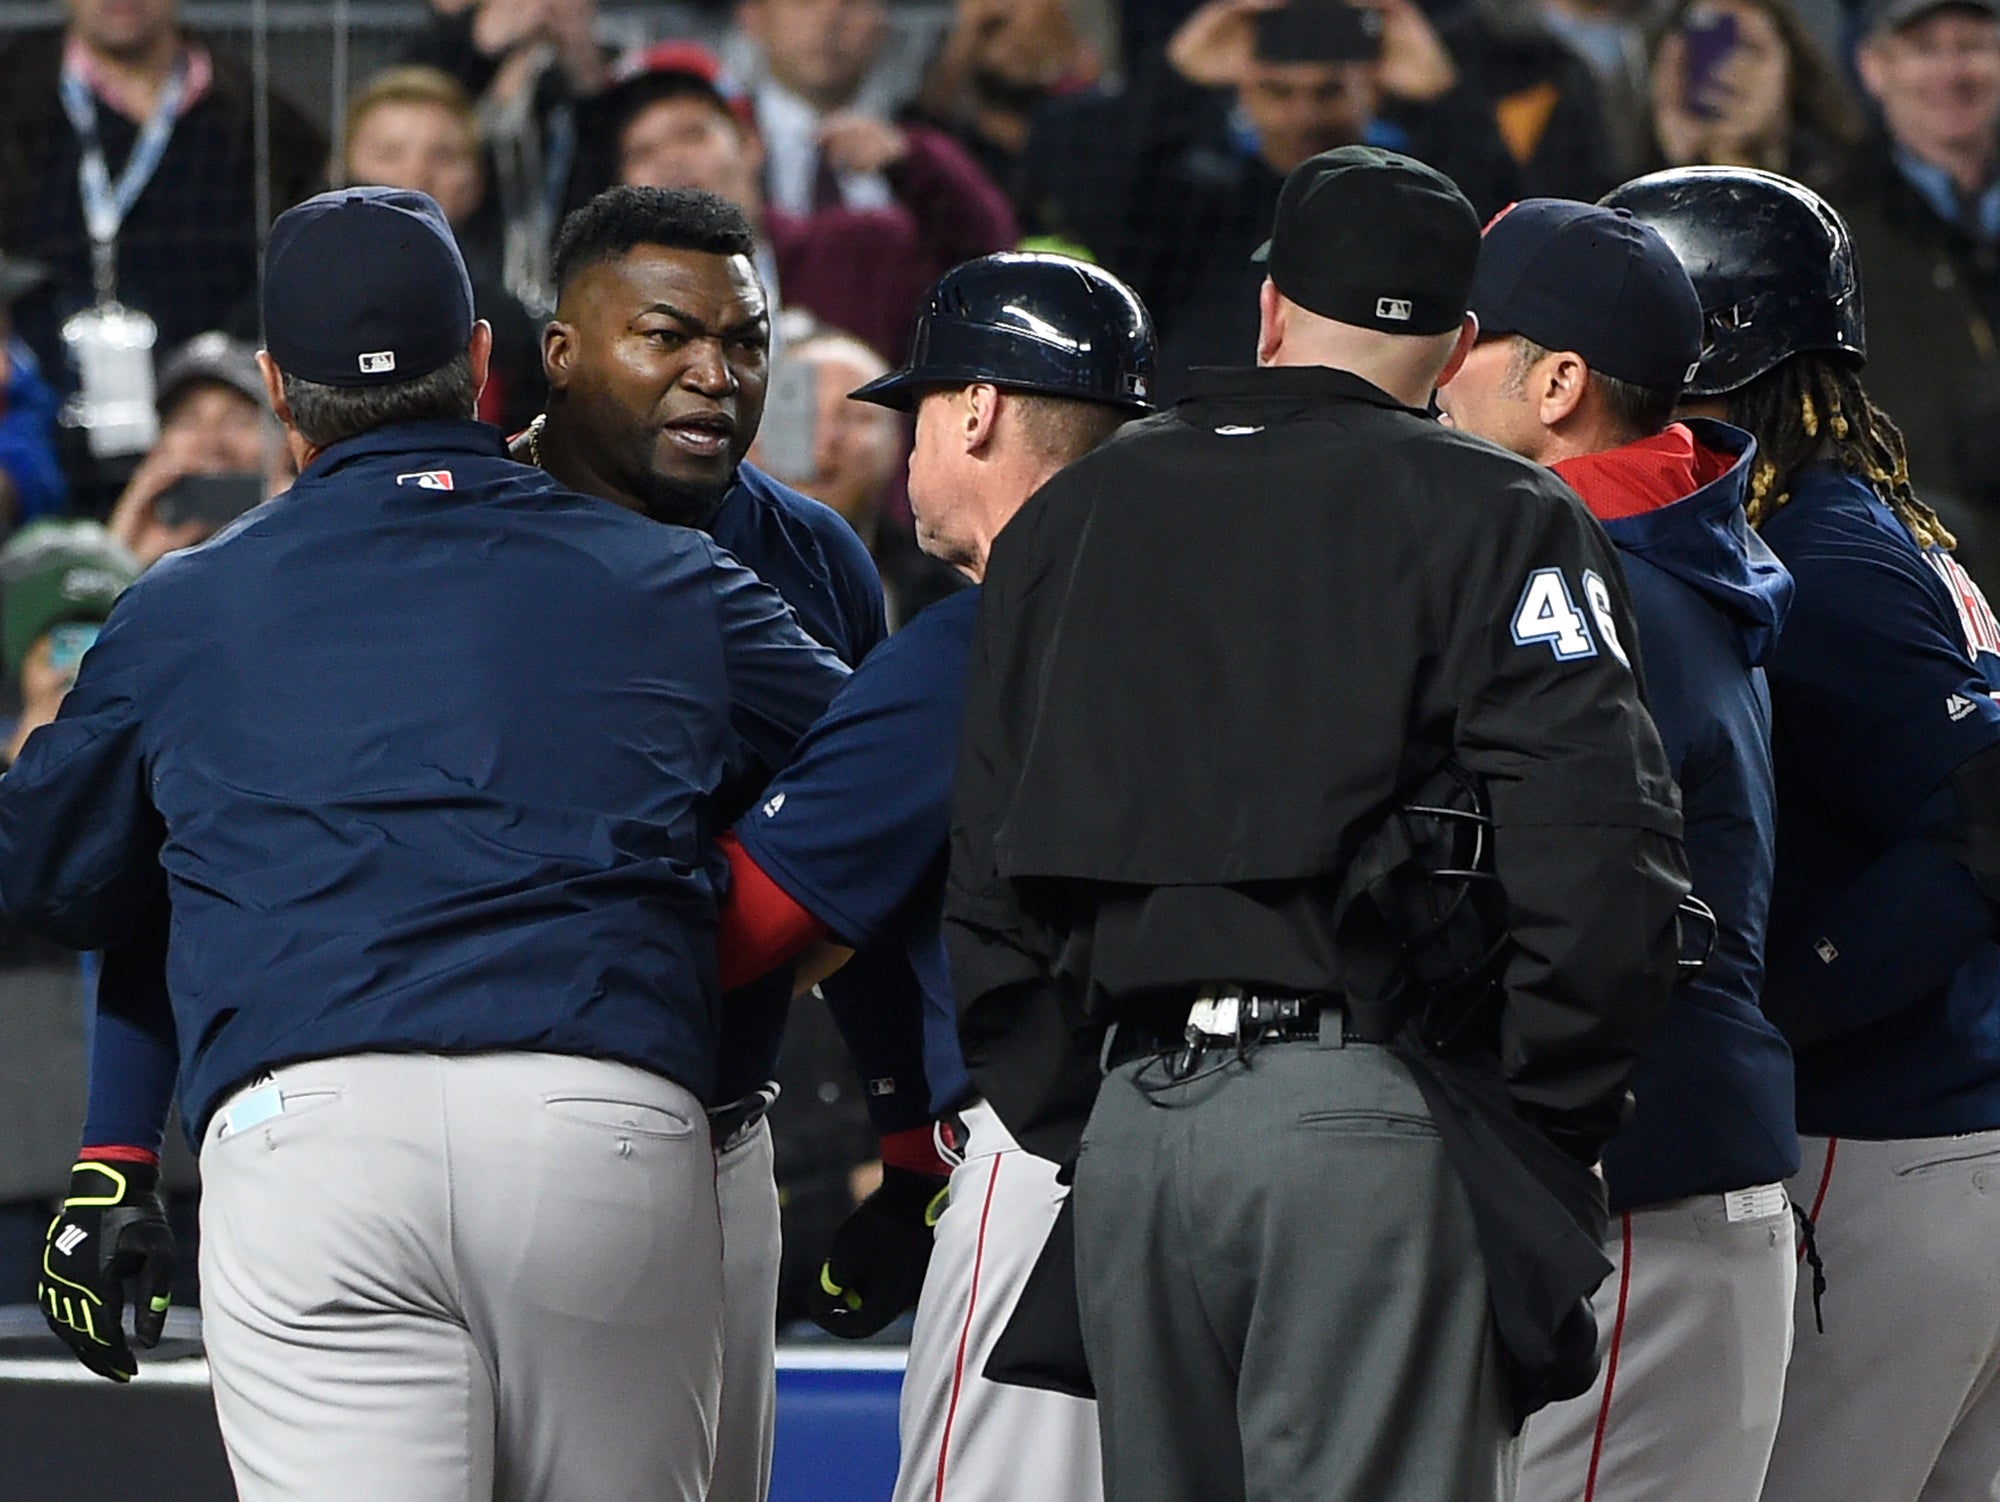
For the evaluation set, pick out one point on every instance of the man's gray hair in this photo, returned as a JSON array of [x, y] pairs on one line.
[[326, 415]]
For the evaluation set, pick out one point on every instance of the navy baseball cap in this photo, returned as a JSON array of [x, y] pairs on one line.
[[1593, 280], [364, 287], [1373, 238]]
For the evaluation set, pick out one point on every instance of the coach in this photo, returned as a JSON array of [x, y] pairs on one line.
[[419, 757], [1210, 658]]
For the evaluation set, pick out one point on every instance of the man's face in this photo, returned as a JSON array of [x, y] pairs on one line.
[[1020, 44], [424, 147], [1937, 81], [122, 28], [687, 143], [658, 359], [213, 429], [938, 479], [1301, 109], [819, 49], [1489, 398]]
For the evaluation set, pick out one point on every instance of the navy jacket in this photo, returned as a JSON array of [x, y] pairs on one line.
[[857, 829], [806, 552], [421, 755], [1883, 969], [1713, 1088]]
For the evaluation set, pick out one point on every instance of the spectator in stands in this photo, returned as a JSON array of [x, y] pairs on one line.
[[413, 127], [1923, 202], [853, 462], [1742, 83], [1612, 37], [214, 421], [999, 59], [178, 223], [57, 581], [1173, 182], [31, 482], [680, 124], [1548, 103], [823, 99], [536, 68]]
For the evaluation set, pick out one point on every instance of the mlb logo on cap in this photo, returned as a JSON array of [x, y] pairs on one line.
[[1396, 308], [379, 362]]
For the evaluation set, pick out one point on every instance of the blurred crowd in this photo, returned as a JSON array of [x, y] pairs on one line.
[[873, 145]]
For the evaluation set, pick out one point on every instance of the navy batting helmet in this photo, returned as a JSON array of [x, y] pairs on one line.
[[1041, 323], [1772, 263]]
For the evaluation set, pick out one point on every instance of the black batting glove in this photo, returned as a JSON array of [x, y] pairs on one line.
[[112, 1233], [875, 1269]]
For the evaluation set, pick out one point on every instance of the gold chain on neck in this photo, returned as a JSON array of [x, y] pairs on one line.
[[535, 439]]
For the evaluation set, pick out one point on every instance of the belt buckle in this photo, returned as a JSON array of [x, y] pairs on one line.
[[1216, 1014]]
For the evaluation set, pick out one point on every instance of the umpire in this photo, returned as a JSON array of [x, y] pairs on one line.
[[1212, 659], [420, 758]]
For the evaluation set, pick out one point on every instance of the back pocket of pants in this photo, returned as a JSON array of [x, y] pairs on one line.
[[623, 1117], [1368, 1123]]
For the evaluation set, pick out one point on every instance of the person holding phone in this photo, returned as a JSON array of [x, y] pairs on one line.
[[217, 454], [1742, 83]]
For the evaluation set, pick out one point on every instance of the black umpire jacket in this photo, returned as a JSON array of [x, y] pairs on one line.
[[1213, 654]]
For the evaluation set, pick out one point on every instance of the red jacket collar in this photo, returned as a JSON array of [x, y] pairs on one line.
[[1643, 476]]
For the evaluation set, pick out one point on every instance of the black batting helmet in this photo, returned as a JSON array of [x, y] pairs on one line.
[[1042, 323], [1772, 263]]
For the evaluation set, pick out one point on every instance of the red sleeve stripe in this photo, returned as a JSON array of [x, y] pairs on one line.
[[760, 926]]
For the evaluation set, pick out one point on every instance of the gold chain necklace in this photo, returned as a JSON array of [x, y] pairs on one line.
[[535, 439]]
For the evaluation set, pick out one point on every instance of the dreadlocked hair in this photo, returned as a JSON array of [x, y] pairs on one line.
[[1812, 403]]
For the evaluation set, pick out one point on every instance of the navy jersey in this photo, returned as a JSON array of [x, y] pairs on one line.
[[806, 552], [1882, 966], [421, 755], [857, 829]]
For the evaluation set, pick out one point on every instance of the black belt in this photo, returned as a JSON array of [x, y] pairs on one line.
[[728, 1122], [1260, 1019]]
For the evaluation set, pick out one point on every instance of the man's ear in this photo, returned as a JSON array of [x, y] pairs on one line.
[[1270, 321], [1468, 335], [1868, 67], [978, 413], [1564, 379], [558, 354], [274, 387], [479, 351]]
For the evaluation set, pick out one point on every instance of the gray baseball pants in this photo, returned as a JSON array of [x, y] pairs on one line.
[[1897, 1401], [1282, 1296], [1694, 1326], [965, 1439], [747, 1189], [488, 1278]]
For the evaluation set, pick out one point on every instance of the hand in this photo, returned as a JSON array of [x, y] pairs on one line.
[[1749, 96], [1216, 46], [861, 143], [133, 521], [112, 1231], [875, 1269], [1416, 66], [499, 26]]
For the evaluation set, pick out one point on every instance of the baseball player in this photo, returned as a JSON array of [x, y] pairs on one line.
[[1019, 364], [1588, 327], [657, 361], [1881, 966], [404, 762]]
